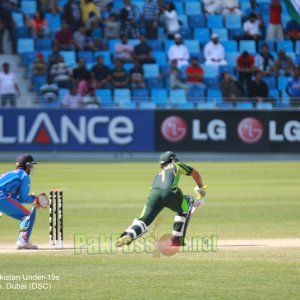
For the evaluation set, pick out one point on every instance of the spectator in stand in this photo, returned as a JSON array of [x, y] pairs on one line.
[[142, 52], [50, 6], [258, 90], [129, 18], [283, 65], [194, 75], [175, 77], [83, 41], [124, 51], [137, 80], [81, 72], [61, 73], [150, 17], [293, 87], [39, 66], [39, 25], [49, 91], [275, 31], [264, 61], [171, 19], [292, 31], [111, 27], [231, 7], [179, 52], [119, 77], [214, 52], [254, 8], [73, 99], [297, 61], [7, 23], [85, 85], [107, 11], [246, 68], [64, 38], [88, 10], [91, 100], [102, 73], [212, 7], [9, 89], [230, 88], [252, 28], [72, 14], [54, 56]]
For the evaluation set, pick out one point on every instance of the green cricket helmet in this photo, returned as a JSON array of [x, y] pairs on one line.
[[167, 158]]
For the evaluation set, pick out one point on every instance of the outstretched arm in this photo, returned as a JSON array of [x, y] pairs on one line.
[[197, 177]]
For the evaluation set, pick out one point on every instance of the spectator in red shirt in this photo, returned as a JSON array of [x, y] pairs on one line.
[[39, 25], [275, 31], [64, 38], [194, 75], [246, 67]]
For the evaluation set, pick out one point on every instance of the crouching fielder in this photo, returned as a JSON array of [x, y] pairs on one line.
[[14, 190], [166, 193]]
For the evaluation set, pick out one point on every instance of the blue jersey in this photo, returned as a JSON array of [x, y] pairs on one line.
[[16, 184]]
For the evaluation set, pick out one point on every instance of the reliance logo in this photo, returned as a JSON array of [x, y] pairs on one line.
[[118, 130]]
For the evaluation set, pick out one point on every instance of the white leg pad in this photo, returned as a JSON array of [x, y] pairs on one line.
[[141, 225]]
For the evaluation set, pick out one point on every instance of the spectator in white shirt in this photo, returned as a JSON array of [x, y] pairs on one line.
[[212, 7], [231, 7], [214, 52], [9, 89], [124, 51], [252, 28], [171, 20], [73, 99], [179, 52]]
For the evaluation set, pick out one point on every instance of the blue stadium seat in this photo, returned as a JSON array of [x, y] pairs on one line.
[[236, 33], [179, 7], [43, 44], [197, 21], [286, 45], [282, 83], [88, 56], [297, 48], [155, 83], [244, 105], [196, 95], [106, 57], [147, 105], [199, 55], [228, 68], [247, 46], [177, 96], [227, 105], [231, 58], [156, 45], [62, 93], [271, 45], [160, 57], [270, 81], [264, 105], [205, 105], [22, 32], [230, 46], [122, 96], [150, 70], [159, 95], [38, 81], [184, 105], [140, 95], [274, 94], [212, 83], [54, 22], [133, 42], [264, 8], [192, 45], [28, 7], [215, 21], [18, 18], [210, 71], [193, 8], [185, 32], [222, 33], [127, 105], [105, 95], [202, 35], [285, 19], [128, 66], [214, 95], [285, 98], [25, 45], [69, 57], [111, 45], [183, 19], [233, 21], [282, 105]]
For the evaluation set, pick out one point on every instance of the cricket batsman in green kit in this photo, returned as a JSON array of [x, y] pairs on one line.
[[166, 193]]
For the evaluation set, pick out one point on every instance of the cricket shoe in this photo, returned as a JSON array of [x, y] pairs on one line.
[[26, 245], [124, 240]]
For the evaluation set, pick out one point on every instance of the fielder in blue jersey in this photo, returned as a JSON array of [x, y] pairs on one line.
[[14, 190]]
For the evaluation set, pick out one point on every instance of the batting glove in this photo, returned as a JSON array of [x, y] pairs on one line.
[[200, 191], [199, 202]]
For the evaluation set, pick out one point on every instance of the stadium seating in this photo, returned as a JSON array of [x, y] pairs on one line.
[[233, 21], [193, 8], [244, 105], [214, 21], [140, 95], [25, 45]]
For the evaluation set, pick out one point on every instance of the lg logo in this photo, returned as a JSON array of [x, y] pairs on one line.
[[174, 129], [250, 130]]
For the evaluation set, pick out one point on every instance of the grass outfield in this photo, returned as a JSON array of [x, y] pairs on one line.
[[245, 201]]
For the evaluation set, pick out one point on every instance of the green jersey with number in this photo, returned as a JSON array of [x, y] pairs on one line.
[[168, 177]]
